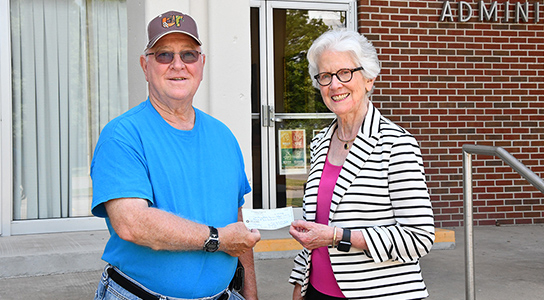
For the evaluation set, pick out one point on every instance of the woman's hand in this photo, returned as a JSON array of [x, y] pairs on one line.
[[296, 292], [311, 235]]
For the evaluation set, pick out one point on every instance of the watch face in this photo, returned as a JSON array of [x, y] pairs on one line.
[[212, 245], [344, 246]]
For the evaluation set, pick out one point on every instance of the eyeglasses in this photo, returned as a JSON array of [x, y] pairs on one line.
[[166, 57], [343, 75]]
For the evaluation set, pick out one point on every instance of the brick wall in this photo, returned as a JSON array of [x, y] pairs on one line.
[[454, 83]]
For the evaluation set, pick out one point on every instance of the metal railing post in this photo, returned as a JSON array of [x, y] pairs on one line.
[[470, 293], [520, 168]]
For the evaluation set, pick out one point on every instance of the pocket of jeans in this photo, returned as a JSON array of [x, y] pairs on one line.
[[235, 296], [101, 290]]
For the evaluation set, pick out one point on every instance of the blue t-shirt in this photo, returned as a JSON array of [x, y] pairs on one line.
[[196, 174]]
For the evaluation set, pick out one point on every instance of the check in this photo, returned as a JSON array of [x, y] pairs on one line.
[[267, 219]]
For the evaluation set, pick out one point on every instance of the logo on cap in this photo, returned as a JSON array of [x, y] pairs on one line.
[[171, 21]]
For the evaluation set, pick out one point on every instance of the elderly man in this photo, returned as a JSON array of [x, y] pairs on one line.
[[169, 180]]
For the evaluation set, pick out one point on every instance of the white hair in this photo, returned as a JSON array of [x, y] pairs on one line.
[[340, 40]]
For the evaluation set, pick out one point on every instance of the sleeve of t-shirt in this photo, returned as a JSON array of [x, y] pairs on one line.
[[118, 171]]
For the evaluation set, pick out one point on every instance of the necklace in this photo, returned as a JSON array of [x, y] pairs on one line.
[[346, 142]]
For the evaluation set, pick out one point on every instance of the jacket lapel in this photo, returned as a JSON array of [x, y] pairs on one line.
[[364, 144]]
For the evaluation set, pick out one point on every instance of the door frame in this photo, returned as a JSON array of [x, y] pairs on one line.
[[269, 164], [5, 121]]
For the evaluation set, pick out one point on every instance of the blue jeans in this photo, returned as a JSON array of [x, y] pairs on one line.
[[110, 290]]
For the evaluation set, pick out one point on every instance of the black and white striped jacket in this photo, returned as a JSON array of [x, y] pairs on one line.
[[381, 191]]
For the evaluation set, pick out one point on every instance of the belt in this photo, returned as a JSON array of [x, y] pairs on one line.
[[137, 290], [131, 286]]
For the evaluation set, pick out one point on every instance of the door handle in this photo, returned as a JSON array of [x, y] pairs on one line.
[[268, 116]]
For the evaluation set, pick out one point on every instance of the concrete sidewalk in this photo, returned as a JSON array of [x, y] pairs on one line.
[[509, 264]]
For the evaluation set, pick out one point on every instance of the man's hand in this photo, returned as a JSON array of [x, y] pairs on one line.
[[235, 239]]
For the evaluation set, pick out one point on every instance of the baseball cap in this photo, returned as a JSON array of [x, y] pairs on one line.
[[171, 22]]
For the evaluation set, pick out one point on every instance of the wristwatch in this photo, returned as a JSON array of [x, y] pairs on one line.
[[345, 244], [212, 243]]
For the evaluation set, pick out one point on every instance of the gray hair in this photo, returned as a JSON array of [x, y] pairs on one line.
[[340, 40]]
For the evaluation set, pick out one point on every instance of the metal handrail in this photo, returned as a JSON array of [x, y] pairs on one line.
[[529, 175]]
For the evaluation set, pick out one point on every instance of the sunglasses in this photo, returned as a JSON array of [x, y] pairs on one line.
[[166, 57]]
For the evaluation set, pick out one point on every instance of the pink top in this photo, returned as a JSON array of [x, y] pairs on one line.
[[321, 275]]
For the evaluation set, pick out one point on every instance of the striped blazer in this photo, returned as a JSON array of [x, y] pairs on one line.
[[380, 191]]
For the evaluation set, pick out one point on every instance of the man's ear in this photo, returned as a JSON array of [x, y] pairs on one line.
[[143, 64]]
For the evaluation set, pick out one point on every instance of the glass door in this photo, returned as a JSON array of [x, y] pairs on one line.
[[287, 110]]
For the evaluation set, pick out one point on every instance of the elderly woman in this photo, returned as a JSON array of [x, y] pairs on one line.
[[367, 214]]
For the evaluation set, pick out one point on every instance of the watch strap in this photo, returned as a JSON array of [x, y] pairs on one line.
[[345, 244], [212, 242], [214, 233]]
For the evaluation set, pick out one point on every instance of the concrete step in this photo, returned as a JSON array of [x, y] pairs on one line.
[[54, 253], [70, 252]]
